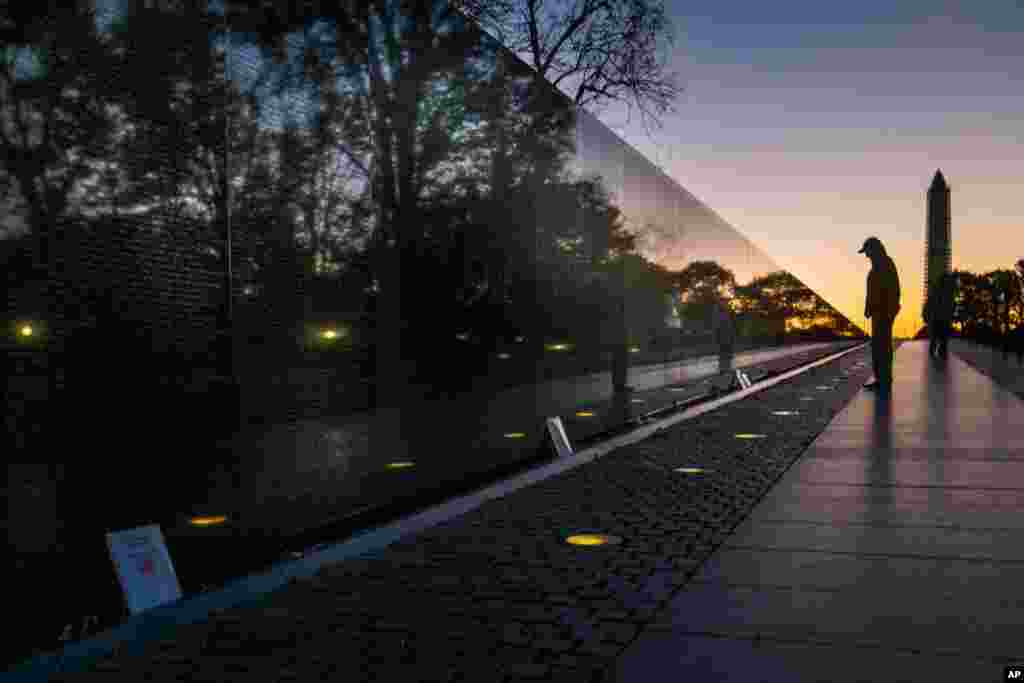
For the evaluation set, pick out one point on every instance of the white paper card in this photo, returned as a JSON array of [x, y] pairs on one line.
[[144, 567]]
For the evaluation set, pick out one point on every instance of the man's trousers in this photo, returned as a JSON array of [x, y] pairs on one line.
[[881, 349]]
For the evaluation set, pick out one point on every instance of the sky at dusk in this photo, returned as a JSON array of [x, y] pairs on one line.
[[810, 126]]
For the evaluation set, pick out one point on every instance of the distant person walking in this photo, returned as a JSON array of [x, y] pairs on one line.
[[882, 305], [938, 314]]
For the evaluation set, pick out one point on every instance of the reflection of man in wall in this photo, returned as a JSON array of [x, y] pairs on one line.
[[882, 305], [725, 334], [938, 314]]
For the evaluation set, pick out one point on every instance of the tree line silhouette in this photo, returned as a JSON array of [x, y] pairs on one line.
[[989, 307]]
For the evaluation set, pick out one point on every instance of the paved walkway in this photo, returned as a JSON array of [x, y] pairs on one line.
[[1006, 370], [893, 549], [853, 540]]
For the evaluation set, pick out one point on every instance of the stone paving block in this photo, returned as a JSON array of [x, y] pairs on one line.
[[603, 650]]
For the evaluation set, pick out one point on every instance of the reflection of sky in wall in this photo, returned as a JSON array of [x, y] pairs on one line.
[[675, 227]]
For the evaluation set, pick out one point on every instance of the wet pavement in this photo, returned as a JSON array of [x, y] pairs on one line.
[[497, 593], [892, 550], [312, 482], [832, 534], [283, 478]]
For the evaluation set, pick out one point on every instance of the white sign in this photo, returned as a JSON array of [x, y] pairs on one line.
[[144, 567], [559, 437]]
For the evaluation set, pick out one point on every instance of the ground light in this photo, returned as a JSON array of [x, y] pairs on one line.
[[329, 334], [785, 412], [806, 398], [593, 539], [504, 356], [634, 349], [585, 413], [209, 520], [515, 435], [637, 400], [690, 470], [558, 347], [26, 330], [750, 436], [399, 465], [823, 388]]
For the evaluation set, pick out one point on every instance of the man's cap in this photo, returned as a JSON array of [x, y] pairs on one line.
[[870, 243]]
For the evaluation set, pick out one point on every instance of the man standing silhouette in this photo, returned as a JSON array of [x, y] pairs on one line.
[[882, 305]]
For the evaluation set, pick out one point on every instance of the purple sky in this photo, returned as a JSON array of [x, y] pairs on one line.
[[810, 126]]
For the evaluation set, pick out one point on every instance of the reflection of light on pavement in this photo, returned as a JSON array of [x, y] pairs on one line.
[[211, 520], [593, 539]]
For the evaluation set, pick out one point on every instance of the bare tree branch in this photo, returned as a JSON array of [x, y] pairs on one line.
[[598, 51]]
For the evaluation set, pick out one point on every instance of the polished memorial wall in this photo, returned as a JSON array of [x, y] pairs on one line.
[[429, 252]]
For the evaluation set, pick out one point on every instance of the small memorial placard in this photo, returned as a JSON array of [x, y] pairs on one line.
[[143, 567], [559, 437]]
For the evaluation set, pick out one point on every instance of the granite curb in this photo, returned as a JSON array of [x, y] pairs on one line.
[[496, 594]]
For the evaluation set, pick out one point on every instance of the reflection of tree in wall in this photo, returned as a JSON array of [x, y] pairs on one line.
[[483, 185], [767, 304], [701, 286], [55, 130]]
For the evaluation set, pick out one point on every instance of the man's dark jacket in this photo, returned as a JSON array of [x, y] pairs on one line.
[[883, 289]]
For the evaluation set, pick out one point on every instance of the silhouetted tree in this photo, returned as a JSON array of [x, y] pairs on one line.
[[599, 51]]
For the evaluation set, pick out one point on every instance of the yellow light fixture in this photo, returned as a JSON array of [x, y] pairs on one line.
[[210, 520], [690, 470], [750, 436], [593, 539], [515, 435], [26, 331], [585, 413], [558, 347], [634, 349], [399, 465]]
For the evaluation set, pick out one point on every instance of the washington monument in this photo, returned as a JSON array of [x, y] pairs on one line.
[[938, 252]]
